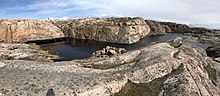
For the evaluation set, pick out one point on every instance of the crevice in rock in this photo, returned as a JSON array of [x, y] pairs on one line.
[[194, 81], [107, 66]]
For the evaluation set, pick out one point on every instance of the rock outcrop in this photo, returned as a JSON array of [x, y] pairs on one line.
[[213, 51], [204, 35], [24, 52], [118, 30], [210, 36], [156, 28], [22, 30], [108, 51], [156, 70]]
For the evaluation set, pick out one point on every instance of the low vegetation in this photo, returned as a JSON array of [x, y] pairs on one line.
[[152, 88], [212, 73]]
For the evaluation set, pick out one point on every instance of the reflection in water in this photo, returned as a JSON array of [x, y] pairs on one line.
[[77, 48]]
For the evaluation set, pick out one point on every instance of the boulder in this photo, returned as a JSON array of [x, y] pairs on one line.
[[213, 51], [177, 42], [22, 30], [156, 28], [155, 70], [108, 51], [118, 30]]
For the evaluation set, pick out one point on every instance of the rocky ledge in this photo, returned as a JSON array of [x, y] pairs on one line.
[[124, 30], [22, 30], [162, 69], [118, 30], [12, 51], [204, 35]]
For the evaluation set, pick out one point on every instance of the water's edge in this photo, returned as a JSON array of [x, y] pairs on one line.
[[71, 48]]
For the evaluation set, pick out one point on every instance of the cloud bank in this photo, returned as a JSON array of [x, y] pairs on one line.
[[182, 11]]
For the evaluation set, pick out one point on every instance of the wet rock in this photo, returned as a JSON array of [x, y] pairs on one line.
[[118, 30], [108, 51], [217, 59], [213, 51], [22, 30], [158, 69], [177, 42]]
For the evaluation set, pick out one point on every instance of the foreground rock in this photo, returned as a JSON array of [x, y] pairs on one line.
[[156, 70], [118, 30], [22, 30], [108, 51], [24, 52]]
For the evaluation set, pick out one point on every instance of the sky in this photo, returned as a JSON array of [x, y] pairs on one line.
[[203, 12]]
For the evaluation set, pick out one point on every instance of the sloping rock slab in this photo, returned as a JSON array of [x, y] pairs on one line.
[[178, 71]]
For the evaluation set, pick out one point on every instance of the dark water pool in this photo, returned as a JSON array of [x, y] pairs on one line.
[[78, 49]]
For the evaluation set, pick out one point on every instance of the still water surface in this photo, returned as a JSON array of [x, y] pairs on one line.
[[78, 49]]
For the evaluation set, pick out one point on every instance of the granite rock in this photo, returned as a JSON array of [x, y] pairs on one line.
[[155, 70], [22, 30], [118, 30]]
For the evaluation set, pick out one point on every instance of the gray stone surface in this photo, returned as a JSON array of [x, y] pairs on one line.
[[183, 70]]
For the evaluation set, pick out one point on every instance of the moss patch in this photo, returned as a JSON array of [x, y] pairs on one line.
[[211, 72], [34, 46], [42, 56], [102, 66], [106, 65], [152, 88], [142, 89]]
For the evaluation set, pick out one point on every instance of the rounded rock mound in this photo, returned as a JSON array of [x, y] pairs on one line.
[[23, 30]]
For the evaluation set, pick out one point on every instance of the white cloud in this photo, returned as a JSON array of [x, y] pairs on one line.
[[187, 11], [183, 11]]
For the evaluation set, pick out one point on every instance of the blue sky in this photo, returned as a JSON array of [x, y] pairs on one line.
[[183, 11]]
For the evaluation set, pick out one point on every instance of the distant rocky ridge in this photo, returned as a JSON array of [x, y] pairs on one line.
[[118, 30], [22, 30], [124, 30], [133, 29], [210, 36]]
